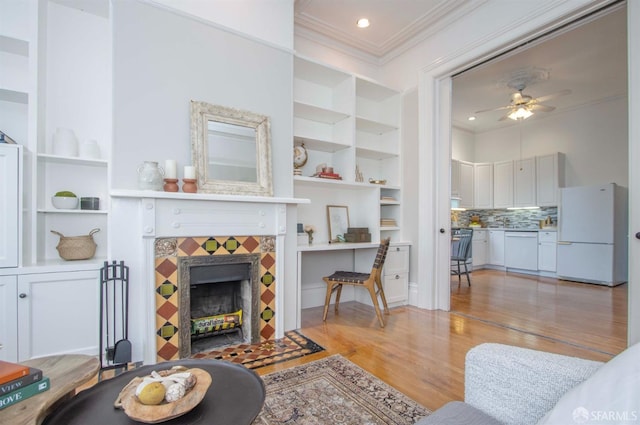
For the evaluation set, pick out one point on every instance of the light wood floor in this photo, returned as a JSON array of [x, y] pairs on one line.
[[421, 353]]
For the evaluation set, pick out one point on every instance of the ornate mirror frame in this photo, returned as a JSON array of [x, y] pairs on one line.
[[201, 114]]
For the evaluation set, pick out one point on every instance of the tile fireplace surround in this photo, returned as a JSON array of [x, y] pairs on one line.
[[155, 229], [167, 252]]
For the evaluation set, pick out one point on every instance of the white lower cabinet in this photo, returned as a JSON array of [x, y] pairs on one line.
[[496, 247], [58, 313], [395, 275], [547, 249], [479, 248], [8, 318]]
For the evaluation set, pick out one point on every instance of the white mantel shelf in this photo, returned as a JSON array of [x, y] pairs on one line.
[[124, 193]]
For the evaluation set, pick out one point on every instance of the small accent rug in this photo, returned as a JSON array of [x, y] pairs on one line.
[[334, 391], [265, 353]]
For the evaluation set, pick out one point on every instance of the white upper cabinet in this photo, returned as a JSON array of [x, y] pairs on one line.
[[466, 184], [548, 179], [503, 184], [455, 178], [524, 183], [483, 185]]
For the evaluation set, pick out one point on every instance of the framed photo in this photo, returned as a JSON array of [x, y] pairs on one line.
[[338, 217]]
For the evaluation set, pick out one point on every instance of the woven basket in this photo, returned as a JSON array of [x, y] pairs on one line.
[[76, 247]]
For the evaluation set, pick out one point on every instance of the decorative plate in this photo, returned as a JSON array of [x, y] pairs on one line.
[[148, 414]]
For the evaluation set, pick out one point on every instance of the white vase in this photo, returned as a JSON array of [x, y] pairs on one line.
[[90, 149], [150, 176], [65, 142]]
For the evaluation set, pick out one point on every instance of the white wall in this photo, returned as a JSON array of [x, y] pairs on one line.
[[594, 140], [463, 147], [163, 60], [267, 20]]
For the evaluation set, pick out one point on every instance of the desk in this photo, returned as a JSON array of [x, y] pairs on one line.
[[66, 373], [235, 397]]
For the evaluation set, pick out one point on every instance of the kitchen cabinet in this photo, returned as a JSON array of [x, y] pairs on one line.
[[8, 315], [483, 185], [503, 184], [10, 205], [479, 248], [466, 184], [547, 250], [521, 250], [524, 182], [58, 313], [395, 275], [549, 179], [496, 247], [455, 178]]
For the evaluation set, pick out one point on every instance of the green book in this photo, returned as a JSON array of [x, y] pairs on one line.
[[24, 393]]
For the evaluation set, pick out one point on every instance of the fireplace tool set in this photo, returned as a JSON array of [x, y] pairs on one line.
[[115, 348]]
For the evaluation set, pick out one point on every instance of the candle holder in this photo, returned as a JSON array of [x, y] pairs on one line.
[[189, 186], [170, 185]]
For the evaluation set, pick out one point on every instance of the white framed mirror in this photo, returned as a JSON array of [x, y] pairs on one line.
[[231, 150]]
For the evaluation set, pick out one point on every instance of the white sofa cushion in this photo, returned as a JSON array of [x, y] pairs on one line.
[[610, 396]]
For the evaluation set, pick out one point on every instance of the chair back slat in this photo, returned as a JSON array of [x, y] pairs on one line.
[[381, 255], [463, 242]]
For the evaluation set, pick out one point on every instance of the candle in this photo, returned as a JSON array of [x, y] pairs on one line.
[[189, 172], [170, 169]]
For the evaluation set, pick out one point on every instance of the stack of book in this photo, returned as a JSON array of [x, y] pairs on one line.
[[388, 222], [19, 382], [326, 175]]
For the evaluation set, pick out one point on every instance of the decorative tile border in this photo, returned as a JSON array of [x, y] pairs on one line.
[[167, 252]]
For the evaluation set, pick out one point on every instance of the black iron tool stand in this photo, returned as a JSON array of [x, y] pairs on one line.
[[115, 348]]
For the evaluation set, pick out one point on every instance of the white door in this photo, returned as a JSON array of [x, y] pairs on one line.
[[586, 214], [8, 319]]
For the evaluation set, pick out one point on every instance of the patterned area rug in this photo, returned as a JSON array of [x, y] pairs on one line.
[[334, 391], [253, 356]]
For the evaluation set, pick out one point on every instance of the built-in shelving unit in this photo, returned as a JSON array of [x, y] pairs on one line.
[[348, 122]]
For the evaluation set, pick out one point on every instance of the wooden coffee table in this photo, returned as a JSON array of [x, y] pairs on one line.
[[235, 397], [66, 373]]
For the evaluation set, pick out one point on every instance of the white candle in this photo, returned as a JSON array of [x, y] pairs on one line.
[[170, 169], [189, 172]]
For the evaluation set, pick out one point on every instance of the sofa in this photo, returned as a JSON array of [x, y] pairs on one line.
[[506, 385]]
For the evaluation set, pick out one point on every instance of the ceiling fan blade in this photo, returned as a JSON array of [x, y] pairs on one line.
[[493, 109], [553, 95], [504, 117], [541, 108]]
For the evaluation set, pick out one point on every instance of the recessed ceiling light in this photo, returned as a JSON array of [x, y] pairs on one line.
[[471, 118], [363, 23]]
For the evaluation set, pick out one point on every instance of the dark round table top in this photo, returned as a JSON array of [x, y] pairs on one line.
[[235, 397]]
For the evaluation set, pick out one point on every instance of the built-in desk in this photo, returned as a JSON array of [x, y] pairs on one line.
[[318, 260]]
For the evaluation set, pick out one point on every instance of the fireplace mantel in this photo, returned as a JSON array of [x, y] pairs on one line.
[[142, 217]]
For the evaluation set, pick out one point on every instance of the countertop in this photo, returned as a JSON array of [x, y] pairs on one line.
[[517, 229]]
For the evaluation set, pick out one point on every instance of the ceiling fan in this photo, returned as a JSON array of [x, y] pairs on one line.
[[522, 106]]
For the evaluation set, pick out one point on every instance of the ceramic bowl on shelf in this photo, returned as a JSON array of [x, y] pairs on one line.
[[64, 202]]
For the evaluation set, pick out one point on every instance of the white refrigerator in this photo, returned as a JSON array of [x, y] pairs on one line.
[[592, 234]]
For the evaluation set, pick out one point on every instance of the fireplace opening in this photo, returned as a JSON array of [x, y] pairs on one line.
[[216, 305], [219, 302]]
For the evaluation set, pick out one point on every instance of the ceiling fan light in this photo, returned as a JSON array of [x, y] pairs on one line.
[[520, 113]]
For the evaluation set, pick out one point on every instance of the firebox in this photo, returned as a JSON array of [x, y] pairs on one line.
[[219, 300]]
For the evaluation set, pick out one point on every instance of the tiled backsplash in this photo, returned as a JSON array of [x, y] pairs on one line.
[[520, 219]]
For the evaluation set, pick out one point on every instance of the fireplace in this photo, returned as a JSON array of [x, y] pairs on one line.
[[175, 257], [219, 301]]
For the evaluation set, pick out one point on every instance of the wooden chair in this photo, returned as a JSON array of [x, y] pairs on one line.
[[372, 281], [461, 253]]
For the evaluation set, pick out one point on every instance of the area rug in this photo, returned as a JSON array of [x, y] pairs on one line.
[[292, 346], [334, 391]]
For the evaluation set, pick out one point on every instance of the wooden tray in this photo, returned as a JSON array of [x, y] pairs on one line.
[[137, 411]]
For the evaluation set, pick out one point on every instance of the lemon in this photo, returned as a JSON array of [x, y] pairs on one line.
[[152, 393]]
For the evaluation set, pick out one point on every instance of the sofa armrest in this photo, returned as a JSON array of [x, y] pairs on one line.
[[518, 385]]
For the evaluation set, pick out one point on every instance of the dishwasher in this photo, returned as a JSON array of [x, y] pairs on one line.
[[521, 250]]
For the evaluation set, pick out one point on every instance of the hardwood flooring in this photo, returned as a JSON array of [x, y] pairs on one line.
[[421, 352]]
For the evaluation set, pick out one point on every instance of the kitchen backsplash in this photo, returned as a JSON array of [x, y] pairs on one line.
[[519, 219]]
